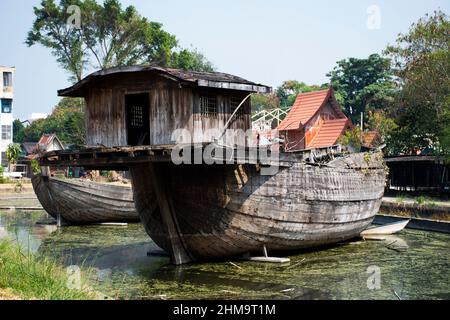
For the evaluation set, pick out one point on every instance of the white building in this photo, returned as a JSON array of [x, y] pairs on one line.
[[6, 108], [37, 116]]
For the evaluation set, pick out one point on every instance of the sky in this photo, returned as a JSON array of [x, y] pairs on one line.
[[263, 41]]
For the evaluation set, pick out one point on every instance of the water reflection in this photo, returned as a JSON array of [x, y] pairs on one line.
[[412, 264]]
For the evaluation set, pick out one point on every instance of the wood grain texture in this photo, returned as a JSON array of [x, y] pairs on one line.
[[226, 210], [84, 202], [172, 106]]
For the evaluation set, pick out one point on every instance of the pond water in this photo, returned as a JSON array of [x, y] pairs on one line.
[[411, 265]]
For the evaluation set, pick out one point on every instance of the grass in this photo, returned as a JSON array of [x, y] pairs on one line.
[[400, 198], [27, 276], [422, 200]]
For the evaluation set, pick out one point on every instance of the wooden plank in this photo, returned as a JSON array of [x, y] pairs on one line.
[[269, 259]]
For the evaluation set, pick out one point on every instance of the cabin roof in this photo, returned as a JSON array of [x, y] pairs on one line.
[[29, 147], [201, 79], [306, 106], [46, 140], [329, 133]]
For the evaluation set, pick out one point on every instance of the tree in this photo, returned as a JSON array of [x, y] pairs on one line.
[[264, 102], [190, 60], [50, 29], [288, 91], [12, 154], [421, 61], [362, 85], [66, 121], [18, 131], [380, 122], [108, 36], [351, 139], [117, 36]]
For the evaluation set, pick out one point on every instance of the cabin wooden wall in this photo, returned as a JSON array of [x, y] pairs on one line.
[[202, 124], [294, 140], [172, 106], [105, 118], [170, 109]]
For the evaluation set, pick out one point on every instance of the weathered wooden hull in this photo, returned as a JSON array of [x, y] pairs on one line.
[[227, 210], [84, 202]]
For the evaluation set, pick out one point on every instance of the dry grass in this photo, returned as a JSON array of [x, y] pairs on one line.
[[6, 294]]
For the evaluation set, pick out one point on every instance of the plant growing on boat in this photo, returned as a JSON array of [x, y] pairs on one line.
[[367, 158], [351, 139], [35, 167]]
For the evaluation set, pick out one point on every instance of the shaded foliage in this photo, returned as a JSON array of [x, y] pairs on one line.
[[363, 85], [108, 36], [288, 91], [18, 131], [66, 121], [264, 102], [421, 61], [13, 153], [351, 139], [380, 122], [190, 60]]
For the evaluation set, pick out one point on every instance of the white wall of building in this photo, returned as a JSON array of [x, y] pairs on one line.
[[6, 116]]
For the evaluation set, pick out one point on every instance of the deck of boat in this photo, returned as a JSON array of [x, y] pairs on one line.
[[121, 158]]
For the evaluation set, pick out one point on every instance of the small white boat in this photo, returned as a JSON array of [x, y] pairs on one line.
[[386, 229]]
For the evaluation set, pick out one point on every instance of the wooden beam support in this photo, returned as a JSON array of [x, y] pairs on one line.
[[179, 253]]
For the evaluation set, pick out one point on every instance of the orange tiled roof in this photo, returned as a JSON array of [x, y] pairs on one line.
[[305, 107], [329, 133], [46, 139], [370, 138]]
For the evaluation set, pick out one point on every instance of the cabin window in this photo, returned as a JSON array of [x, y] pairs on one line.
[[7, 79], [6, 105], [137, 116], [235, 102], [138, 119], [208, 106], [6, 132]]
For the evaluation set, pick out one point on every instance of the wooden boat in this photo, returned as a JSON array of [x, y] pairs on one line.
[[201, 211], [83, 202], [386, 229], [214, 211]]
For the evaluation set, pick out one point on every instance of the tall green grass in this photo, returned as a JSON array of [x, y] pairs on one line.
[[33, 277]]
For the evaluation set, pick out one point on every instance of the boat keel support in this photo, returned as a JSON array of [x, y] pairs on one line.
[[179, 253]]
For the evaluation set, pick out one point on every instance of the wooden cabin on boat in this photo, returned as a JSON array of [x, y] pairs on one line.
[[315, 121], [132, 106]]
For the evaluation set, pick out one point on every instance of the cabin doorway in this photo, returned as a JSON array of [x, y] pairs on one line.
[[138, 119]]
